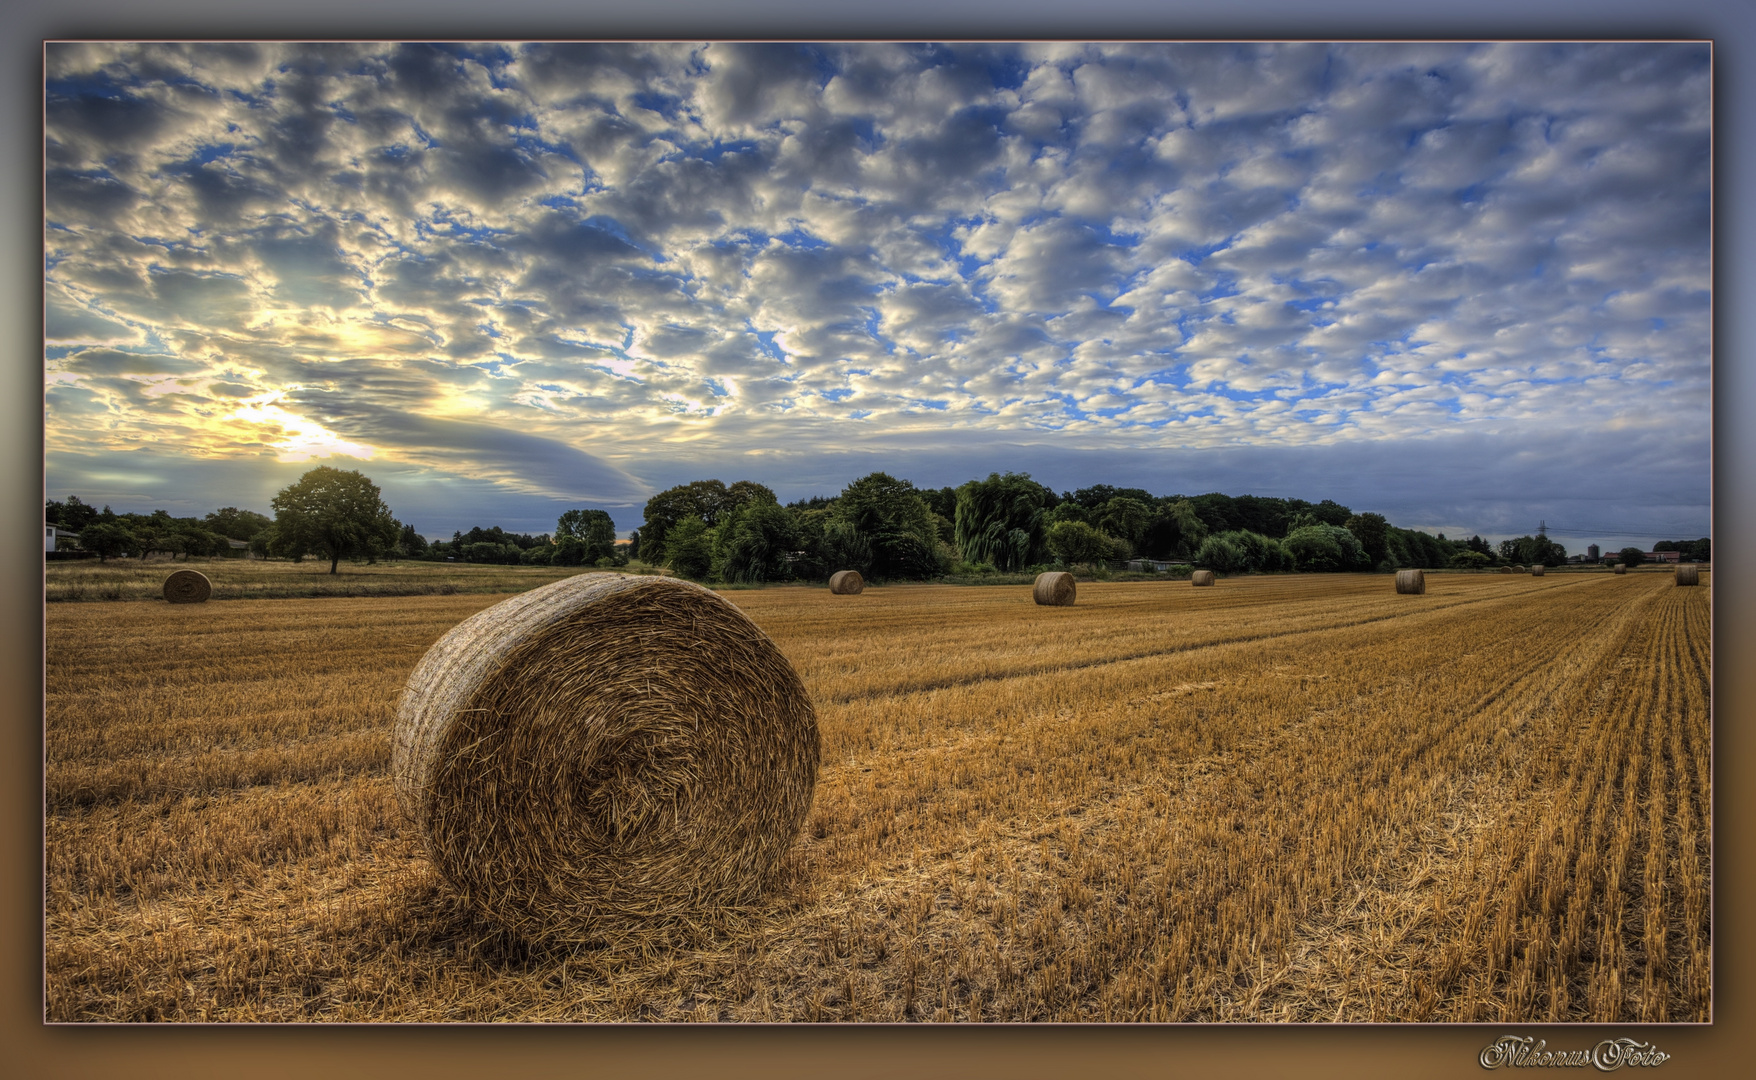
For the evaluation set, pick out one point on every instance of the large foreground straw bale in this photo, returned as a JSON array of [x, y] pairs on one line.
[[188, 587], [1688, 575], [1054, 589], [846, 583], [1411, 581], [1536, 570], [599, 753], [1201, 577]]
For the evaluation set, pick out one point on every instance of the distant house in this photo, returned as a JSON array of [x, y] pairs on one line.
[[53, 534], [1663, 556], [1147, 564]]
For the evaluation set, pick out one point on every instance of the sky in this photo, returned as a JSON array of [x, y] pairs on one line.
[[1467, 286]]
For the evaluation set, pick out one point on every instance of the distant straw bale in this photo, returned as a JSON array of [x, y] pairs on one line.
[[1411, 581], [1201, 577], [1507, 570], [846, 583], [188, 587], [1054, 589], [605, 753], [1688, 575], [1536, 570], [1621, 568]]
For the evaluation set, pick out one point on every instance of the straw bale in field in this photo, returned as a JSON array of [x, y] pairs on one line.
[[603, 752], [188, 587], [1201, 577], [1536, 570], [1054, 589], [1621, 569], [1688, 575], [1507, 570], [846, 583], [1411, 581]]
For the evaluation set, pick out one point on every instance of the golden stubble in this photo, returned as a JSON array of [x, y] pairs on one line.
[[1300, 798]]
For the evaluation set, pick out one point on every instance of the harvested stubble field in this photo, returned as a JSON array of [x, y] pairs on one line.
[[252, 579], [1282, 799]]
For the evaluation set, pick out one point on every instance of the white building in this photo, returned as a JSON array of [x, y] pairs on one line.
[[52, 533]]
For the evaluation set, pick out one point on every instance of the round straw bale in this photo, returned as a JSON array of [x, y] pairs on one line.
[[1054, 589], [188, 587], [1688, 575], [1411, 581], [1536, 569], [1621, 568], [605, 753], [1201, 577], [1506, 570], [846, 583]]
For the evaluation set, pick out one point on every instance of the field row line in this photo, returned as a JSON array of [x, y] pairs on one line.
[[928, 686]]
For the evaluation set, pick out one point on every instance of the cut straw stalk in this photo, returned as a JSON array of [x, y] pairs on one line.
[[605, 753]]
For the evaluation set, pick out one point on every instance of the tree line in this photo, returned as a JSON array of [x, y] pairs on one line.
[[329, 514], [881, 526], [887, 528]]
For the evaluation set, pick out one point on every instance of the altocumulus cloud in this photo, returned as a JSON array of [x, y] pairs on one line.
[[580, 271]]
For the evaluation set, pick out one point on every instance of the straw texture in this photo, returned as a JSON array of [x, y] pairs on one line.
[[1411, 581], [846, 583], [1688, 575], [1201, 577], [188, 587], [603, 753], [1054, 589]]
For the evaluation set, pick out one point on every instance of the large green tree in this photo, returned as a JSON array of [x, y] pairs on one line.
[[1002, 521], [109, 539], [1125, 518], [1373, 533], [1174, 531], [235, 524], [756, 543], [334, 513], [706, 501], [72, 515], [1324, 548], [584, 537], [896, 521], [1075, 542]]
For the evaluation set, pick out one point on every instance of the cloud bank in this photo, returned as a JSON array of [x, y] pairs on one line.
[[564, 271]]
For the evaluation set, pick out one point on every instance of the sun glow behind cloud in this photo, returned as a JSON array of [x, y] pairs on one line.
[[297, 438]]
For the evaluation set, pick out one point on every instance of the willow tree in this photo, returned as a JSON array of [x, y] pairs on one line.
[[1002, 521]]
